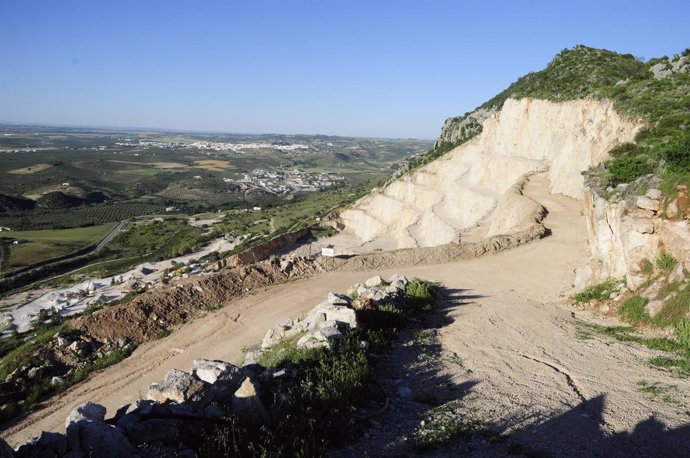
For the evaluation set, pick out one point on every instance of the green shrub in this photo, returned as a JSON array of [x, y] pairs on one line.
[[666, 262], [286, 351], [629, 168], [420, 295], [682, 332], [633, 310], [674, 310], [677, 153], [599, 292], [626, 150]]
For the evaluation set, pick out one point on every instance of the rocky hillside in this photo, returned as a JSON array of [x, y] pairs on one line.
[[434, 203], [656, 91], [622, 123]]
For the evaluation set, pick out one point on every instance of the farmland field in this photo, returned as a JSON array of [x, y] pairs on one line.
[[43, 245], [63, 189], [94, 215]]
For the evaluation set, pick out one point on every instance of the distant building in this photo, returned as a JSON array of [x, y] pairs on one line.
[[328, 250], [4, 229], [197, 177], [257, 209], [66, 183], [169, 209]]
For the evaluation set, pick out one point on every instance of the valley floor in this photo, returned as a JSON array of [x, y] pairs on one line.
[[512, 339]]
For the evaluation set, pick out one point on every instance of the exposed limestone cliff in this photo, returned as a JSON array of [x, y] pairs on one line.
[[433, 204], [622, 234]]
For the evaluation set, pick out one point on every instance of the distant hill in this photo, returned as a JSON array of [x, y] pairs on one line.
[[14, 204]]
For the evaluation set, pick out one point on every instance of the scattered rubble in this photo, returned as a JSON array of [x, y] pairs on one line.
[[166, 420]]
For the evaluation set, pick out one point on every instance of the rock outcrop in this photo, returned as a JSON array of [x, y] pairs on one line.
[[624, 233], [433, 204]]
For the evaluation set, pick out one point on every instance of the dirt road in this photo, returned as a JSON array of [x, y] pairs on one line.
[[511, 336]]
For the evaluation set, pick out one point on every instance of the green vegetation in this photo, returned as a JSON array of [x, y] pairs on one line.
[[632, 310], [329, 386], [159, 240], [599, 292], [163, 333], [36, 247], [447, 422], [31, 350], [679, 352], [421, 295], [81, 216], [666, 393], [646, 267], [666, 262], [682, 331], [286, 351], [675, 309]]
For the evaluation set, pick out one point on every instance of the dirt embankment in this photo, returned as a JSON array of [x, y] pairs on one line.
[[143, 318], [262, 251]]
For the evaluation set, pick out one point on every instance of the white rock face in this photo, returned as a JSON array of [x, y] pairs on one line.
[[433, 204], [621, 239], [617, 246]]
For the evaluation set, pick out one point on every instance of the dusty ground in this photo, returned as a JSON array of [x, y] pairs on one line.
[[510, 343]]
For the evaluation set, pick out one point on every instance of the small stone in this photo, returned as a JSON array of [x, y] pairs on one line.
[[654, 307], [180, 387], [212, 371], [338, 299], [55, 381], [654, 194], [102, 440], [34, 372], [672, 209], [247, 404], [399, 279], [86, 411], [286, 266], [62, 342], [677, 274], [374, 281], [648, 204], [330, 334]]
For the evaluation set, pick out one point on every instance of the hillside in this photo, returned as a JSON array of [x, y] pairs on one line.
[[520, 352], [656, 91], [610, 116]]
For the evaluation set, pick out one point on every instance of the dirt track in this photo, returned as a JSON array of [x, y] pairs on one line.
[[511, 337]]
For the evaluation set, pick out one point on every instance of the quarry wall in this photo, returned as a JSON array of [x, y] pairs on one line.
[[431, 205]]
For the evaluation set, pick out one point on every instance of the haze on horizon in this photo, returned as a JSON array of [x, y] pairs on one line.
[[356, 68]]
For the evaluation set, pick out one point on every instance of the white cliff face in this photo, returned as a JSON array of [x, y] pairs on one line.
[[620, 238], [433, 204], [622, 235]]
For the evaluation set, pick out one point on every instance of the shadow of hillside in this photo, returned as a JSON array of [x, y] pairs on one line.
[[410, 372], [581, 431]]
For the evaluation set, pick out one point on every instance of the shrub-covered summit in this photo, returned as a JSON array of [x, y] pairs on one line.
[[657, 91]]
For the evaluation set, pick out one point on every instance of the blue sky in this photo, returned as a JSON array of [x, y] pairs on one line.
[[364, 68]]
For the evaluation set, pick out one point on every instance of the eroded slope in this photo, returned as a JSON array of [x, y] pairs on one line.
[[434, 203]]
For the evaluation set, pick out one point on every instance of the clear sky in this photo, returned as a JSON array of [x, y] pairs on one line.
[[364, 68]]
